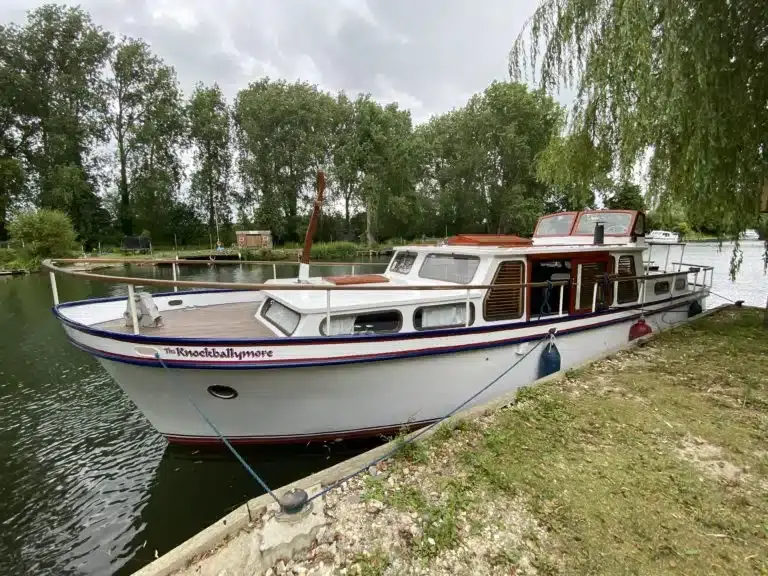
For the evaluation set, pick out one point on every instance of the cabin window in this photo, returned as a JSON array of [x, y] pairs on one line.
[[681, 283], [544, 302], [626, 291], [661, 288], [382, 322], [458, 268], [285, 319], [403, 262], [443, 316], [505, 302]]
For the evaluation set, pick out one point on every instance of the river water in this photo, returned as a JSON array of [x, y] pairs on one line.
[[87, 487]]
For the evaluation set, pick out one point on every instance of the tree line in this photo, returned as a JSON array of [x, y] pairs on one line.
[[98, 127]]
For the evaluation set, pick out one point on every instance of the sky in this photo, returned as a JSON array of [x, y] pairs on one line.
[[428, 55]]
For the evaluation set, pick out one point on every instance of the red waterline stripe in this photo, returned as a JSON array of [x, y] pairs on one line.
[[321, 437]]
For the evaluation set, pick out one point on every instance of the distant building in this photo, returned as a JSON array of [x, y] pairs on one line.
[[254, 239]]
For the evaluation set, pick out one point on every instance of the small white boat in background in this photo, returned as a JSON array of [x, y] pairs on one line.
[[327, 357], [749, 235], [662, 237]]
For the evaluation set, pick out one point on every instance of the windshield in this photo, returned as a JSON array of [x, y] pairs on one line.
[[556, 225], [617, 223]]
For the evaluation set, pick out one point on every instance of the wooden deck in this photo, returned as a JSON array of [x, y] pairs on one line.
[[220, 321]]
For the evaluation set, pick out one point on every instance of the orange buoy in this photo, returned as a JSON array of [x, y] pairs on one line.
[[639, 329]]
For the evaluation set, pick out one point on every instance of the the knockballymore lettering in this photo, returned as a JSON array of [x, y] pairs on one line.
[[225, 354]]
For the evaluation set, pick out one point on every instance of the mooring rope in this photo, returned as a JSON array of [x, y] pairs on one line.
[[400, 445], [737, 302], [237, 455]]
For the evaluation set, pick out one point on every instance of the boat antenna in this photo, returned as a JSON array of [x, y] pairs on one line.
[[304, 265]]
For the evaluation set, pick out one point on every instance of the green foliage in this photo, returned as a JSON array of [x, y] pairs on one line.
[[11, 186], [146, 118], [342, 251], [43, 234], [283, 136], [682, 85], [209, 127], [479, 162], [626, 196], [574, 168], [52, 99]]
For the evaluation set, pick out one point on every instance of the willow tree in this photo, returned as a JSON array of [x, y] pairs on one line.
[[679, 89]]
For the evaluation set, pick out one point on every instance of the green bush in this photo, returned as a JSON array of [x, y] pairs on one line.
[[341, 251], [43, 234], [7, 255]]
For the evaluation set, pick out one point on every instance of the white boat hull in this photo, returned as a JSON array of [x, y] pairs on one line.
[[367, 393]]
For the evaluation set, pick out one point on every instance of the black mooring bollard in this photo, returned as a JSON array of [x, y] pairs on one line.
[[293, 501]]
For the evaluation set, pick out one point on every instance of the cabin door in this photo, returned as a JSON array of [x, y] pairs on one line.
[[585, 272]]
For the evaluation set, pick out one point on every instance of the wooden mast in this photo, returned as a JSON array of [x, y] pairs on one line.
[[312, 227]]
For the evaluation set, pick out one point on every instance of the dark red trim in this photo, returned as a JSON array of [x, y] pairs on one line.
[[301, 438]]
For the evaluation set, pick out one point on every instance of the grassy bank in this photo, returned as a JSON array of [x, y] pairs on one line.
[[654, 461]]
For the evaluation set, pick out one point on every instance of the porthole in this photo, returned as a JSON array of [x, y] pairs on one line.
[[175, 302], [223, 392]]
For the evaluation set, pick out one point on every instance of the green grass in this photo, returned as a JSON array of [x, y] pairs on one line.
[[372, 564], [602, 461], [601, 469]]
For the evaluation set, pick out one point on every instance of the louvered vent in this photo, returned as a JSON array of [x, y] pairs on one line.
[[505, 302], [627, 291], [590, 273]]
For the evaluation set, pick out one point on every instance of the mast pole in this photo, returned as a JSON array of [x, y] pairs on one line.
[[305, 257]]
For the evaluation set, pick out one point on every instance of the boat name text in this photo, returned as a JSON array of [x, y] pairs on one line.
[[226, 353]]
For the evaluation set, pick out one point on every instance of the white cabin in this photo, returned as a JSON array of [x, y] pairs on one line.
[[563, 251]]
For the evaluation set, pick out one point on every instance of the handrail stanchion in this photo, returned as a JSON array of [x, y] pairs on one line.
[[327, 311], [594, 297], [353, 269], [696, 281], [274, 271], [466, 310], [682, 256], [666, 260], [132, 307], [54, 288], [562, 290], [642, 293], [173, 266]]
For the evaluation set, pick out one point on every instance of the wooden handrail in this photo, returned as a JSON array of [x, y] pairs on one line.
[[206, 262], [49, 264]]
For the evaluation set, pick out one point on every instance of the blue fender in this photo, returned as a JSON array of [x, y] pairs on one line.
[[549, 362]]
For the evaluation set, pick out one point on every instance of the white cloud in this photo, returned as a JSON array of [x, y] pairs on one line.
[[429, 56]]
